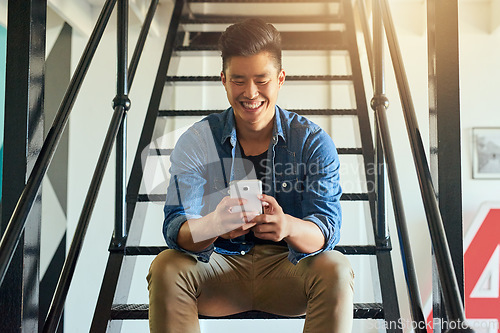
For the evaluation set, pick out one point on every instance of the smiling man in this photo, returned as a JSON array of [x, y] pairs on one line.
[[220, 261]]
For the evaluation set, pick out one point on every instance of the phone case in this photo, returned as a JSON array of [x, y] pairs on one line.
[[247, 189]]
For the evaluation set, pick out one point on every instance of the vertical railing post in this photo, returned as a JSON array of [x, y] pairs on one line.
[[451, 293], [382, 230], [379, 104], [16, 224], [444, 137], [23, 138], [121, 100]]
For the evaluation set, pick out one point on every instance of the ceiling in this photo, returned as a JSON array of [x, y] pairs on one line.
[[82, 14], [409, 15]]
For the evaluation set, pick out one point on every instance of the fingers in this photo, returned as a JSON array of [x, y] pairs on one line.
[[248, 216], [243, 230], [268, 199], [236, 206], [264, 218], [270, 204], [272, 236], [228, 202], [248, 226]]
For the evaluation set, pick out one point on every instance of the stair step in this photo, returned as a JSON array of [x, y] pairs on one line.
[[290, 40], [288, 78], [260, 1], [345, 249], [140, 311], [340, 151], [295, 19], [304, 112], [161, 197], [292, 47]]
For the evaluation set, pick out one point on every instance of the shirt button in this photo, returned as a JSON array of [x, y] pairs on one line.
[[242, 253], [284, 184]]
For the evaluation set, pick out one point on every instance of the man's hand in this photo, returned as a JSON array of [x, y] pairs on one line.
[[243, 230], [304, 236], [222, 221], [197, 234], [273, 225], [228, 223]]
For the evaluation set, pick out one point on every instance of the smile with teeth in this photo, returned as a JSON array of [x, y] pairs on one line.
[[252, 105]]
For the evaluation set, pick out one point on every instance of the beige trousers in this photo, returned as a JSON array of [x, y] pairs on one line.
[[180, 288]]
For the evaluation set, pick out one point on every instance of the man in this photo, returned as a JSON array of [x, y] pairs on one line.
[[221, 261]]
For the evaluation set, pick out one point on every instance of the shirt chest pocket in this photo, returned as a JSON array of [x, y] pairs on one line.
[[287, 188], [288, 192]]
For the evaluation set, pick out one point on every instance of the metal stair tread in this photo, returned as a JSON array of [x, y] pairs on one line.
[[310, 112], [161, 197], [345, 249], [216, 78], [228, 19], [291, 40], [140, 311], [260, 1], [340, 151], [290, 47], [287, 37]]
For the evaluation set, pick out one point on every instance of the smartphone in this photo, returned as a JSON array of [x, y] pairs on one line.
[[248, 189]]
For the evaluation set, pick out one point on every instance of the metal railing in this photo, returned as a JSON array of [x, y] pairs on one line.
[[17, 222], [379, 104], [116, 132], [453, 303]]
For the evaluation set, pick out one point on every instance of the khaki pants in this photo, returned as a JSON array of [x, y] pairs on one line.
[[180, 288]]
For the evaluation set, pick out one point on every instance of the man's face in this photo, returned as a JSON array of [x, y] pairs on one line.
[[252, 84]]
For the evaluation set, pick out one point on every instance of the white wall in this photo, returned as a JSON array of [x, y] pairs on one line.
[[480, 87], [89, 121], [480, 74]]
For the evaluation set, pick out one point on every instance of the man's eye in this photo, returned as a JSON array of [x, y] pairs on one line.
[[239, 83], [261, 82]]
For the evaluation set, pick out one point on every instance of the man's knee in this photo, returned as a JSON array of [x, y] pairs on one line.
[[169, 265], [333, 267]]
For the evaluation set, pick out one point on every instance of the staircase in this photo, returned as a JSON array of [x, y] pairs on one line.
[[192, 36]]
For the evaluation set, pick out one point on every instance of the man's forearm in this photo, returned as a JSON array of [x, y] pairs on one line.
[[305, 236], [185, 237]]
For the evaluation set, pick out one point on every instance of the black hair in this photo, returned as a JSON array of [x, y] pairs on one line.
[[248, 38]]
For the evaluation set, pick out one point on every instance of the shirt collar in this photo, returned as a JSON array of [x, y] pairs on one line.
[[229, 131]]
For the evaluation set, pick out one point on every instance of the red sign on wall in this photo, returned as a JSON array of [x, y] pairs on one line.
[[482, 271], [482, 268]]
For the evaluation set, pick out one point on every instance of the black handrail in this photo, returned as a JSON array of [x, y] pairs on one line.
[[120, 231], [379, 104], [363, 20], [121, 105], [113, 281], [76, 245], [141, 41], [122, 87], [18, 218], [117, 127], [453, 303]]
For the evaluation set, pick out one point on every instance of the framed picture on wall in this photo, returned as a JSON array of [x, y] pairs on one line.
[[486, 153]]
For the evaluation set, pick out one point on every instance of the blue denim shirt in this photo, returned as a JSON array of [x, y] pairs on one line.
[[304, 178]]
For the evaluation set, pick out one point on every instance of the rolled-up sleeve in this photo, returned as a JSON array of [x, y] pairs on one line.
[[184, 200], [322, 191]]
